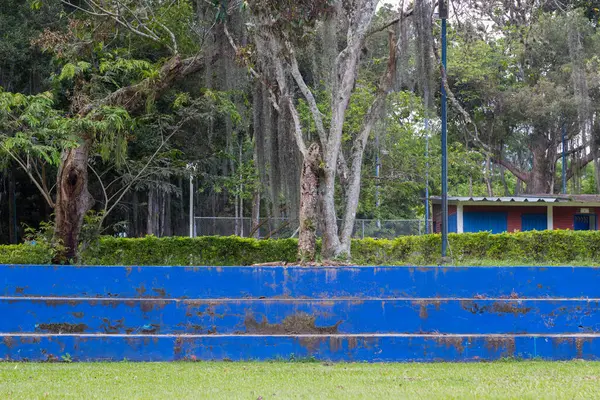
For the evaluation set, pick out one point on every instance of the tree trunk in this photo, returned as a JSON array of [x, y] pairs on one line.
[[255, 224], [150, 221], [309, 199], [168, 216], [540, 177], [183, 218], [504, 183], [162, 198], [156, 213], [12, 208], [135, 214], [73, 200], [488, 176], [331, 246], [256, 213]]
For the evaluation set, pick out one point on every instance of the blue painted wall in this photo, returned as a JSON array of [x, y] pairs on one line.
[[334, 313]]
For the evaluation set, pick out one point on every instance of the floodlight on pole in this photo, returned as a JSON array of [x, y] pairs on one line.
[[443, 12]]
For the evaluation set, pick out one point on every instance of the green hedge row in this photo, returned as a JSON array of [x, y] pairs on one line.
[[25, 254], [206, 250], [524, 248]]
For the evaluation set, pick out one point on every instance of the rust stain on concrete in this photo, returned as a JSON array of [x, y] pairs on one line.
[[300, 323], [8, 342], [455, 342], [62, 328], [498, 307], [424, 305], [141, 290], [311, 343], [495, 344]]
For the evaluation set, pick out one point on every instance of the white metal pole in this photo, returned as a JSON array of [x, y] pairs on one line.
[[191, 206]]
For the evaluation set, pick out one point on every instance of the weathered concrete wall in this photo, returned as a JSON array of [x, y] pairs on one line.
[[341, 313]]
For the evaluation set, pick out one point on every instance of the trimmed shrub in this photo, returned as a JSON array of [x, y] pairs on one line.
[[206, 250], [523, 248], [25, 254]]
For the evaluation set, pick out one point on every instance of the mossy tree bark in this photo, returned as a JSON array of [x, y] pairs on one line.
[[309, 198], [73, 200]]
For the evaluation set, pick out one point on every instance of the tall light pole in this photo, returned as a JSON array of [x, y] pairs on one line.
[[564, 158], [443, 10], [192, 168], [427, 174]]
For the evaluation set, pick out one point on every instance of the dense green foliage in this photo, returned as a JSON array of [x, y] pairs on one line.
[[74, 72], [524, 248]]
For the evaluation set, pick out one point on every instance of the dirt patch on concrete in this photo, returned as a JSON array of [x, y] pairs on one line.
[[300, 323], [424, 304], [498, 307], [504, 344], [456, 342], [8, 341], [113, 327], [62, 328]]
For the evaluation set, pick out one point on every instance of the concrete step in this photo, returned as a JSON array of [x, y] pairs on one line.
[[298, 316], [299, 282], [371, 348]]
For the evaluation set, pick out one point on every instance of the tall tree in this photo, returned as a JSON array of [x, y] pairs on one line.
[[279, 29], [96, 114], [517, 86]]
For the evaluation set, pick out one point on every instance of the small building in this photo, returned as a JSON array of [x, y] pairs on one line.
[[518, 213]]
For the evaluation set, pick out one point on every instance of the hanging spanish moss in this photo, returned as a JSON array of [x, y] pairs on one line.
[[423, 51], [582, 97], [404, 72]]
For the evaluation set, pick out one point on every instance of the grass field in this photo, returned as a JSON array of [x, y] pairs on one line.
[[279, 380]]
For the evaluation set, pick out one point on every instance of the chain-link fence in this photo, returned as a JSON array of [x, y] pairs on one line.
[[279, 228]]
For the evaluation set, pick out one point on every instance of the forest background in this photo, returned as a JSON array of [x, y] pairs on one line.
[[321, 111]]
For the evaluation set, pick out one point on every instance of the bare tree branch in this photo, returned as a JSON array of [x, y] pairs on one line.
[[579, 164], [98, 10], [393, 21], [358, 147], [307, 93], [101, 186], [45, 194], [126, 189], [475, 133], [283, 88], [522, 175]]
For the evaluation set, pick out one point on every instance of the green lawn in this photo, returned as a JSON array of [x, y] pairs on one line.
[[278, 380]]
